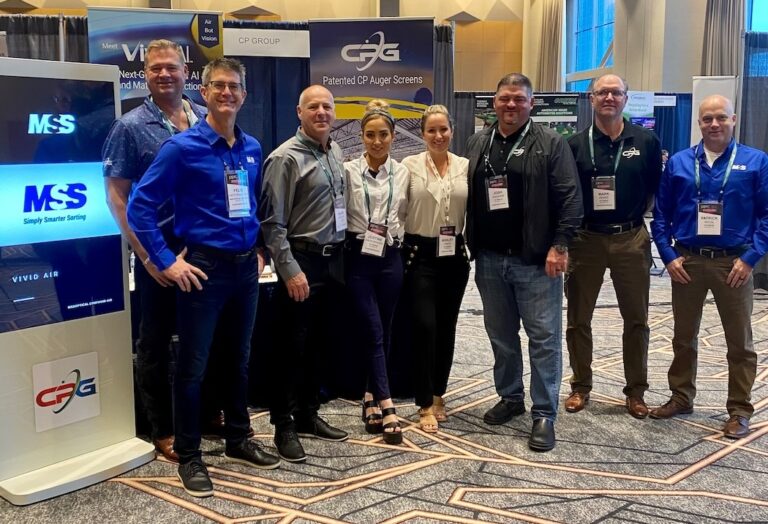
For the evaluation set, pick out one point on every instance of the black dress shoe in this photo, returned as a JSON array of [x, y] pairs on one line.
[[542, 435], [319, 428], [194, 477], [503, 412], [288, 446], [250, 453]]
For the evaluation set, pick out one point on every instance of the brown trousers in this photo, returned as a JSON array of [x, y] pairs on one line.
[[628, 256], [735, 308]]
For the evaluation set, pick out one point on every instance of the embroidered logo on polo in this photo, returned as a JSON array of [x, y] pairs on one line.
[[519, 151], [739, 167], [632, 151]]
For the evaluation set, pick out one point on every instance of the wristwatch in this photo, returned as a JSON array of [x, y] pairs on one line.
[[560, 248]]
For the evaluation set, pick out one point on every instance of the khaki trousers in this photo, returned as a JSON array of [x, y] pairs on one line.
[[628, 257], [735, 308]]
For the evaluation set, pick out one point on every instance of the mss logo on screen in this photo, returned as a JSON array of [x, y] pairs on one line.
[[54, 197], [51, 124]]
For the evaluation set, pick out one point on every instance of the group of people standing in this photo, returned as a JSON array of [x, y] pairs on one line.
[[384, 232]]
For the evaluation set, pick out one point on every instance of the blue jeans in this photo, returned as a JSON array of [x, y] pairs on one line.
[[511, 291], [229, 297]]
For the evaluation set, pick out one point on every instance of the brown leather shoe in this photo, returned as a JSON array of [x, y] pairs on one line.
[[164, 446], [672, 408], [637, 407], [576, 401], [736, 427]]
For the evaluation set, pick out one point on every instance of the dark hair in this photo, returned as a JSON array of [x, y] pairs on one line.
[[516, 79], [223, 62]]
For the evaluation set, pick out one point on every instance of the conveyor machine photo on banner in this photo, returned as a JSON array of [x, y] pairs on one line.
[[66, 384]]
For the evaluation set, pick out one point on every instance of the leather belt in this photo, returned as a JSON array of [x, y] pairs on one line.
[[712, 252], [223, 254], [613, 229], [325, 250]]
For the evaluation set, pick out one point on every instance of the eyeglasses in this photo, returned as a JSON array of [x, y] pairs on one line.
[[603, 93], [234, 87]]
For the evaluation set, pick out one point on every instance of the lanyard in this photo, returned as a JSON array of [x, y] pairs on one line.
[[446, 187], [368, 197], [725, 178], [592, 152], [329, 170], [511, 151], [191, 117]]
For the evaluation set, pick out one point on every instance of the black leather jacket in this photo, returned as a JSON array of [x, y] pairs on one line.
[[552, 201]]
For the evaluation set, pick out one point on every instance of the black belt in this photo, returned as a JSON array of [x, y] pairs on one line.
[[223, 254], [613, 229], [325, 250], [712, 252], [428, 245]]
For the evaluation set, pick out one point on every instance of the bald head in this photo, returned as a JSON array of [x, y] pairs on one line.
[[716, 122], [608, 97], [317, 113]]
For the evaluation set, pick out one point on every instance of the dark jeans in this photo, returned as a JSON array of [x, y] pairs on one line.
[[229, 297], [301, 331], [433, 289], [157, 309], [374, 286]]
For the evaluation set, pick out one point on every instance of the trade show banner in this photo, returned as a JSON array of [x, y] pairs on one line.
[[558, 111], [358, 60], [119, 36], [280, 43], [639, 108]]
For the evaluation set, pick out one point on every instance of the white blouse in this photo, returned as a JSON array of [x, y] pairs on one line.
[[378, 192], [428, 195]]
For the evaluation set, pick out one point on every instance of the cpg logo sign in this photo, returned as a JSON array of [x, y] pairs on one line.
[[371, 51], [66, 391]]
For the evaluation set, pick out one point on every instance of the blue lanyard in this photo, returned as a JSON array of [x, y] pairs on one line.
[[725, 178], [390, 177]]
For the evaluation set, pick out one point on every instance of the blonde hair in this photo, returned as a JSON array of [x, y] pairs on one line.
[[378, 108], [437, 109], [160, 44]]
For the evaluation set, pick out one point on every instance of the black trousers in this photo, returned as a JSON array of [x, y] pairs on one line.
[[301, 333], [433, 288]]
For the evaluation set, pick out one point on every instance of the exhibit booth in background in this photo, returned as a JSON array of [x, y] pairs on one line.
[[66, 387]]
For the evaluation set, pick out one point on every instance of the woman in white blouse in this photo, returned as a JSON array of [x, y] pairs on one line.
[[436, 263], [376, 202]]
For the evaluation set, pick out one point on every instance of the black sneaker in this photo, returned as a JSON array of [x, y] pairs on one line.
[[288, 446], [503, 412], [194, 477], [250, 453], [319, 428]]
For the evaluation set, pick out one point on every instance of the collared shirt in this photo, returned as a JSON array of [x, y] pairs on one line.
[[745, 202], [189, 170], [135, 139], [426, 213], [297, 199], [378, 195], [637, 174]]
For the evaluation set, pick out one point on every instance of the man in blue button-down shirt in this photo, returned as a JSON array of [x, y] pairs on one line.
[[711, 227], [211, 174]]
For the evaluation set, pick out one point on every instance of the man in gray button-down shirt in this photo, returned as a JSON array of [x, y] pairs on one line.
[[304, 223]]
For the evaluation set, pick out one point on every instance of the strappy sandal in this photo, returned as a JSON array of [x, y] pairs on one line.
[[427, 420], [392, 433], [438, 408], [373, 421]]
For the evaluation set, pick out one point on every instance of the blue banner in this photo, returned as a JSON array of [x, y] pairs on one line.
[[120, 36], [358, 60]]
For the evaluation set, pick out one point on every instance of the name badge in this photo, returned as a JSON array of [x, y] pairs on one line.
[[710, 218], [238, 201], [340, 213], [498, 196], [446, 241], [604, 193], [375, 240]]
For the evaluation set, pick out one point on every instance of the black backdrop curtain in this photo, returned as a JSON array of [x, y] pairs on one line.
[[35, 36], [274, 86]]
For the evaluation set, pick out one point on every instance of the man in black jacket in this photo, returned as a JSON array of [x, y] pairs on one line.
[[523, 210]]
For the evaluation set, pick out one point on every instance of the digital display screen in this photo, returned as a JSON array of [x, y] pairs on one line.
[[60, 249]]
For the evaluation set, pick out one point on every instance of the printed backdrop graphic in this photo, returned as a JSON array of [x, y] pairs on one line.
[[358, 60], [559, 111], [120, 36]]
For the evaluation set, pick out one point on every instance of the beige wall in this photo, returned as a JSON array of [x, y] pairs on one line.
[[484, 52]]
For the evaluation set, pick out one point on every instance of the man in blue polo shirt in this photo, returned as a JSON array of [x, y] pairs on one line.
[[711, 227], [130, 148], [211, 174]]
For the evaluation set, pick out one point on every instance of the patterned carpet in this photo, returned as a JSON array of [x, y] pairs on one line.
[[607, 466]]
